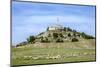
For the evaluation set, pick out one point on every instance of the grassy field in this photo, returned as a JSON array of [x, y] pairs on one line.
[[45, 53]]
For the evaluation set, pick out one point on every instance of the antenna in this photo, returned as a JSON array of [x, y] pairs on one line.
[[57, 19]]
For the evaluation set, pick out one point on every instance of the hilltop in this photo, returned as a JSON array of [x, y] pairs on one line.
[[57, 33], [57, 44]]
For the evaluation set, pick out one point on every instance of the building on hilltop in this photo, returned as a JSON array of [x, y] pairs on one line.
[[57, 31], [56, 26]]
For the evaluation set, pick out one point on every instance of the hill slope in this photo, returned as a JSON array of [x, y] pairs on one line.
[[44, 53], [59, 45], [83, 44]]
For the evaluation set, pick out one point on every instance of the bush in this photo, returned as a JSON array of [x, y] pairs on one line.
[[65, 28], [75, 40], [22, 44], [69, 35], [86, 36], [74, 34], [69, 29], [55, 35], [74, 31], [59, 40], [31, 39], [49, 35], [61, 35], [44, 40]]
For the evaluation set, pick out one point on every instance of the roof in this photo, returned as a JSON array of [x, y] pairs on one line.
[[56, 26]]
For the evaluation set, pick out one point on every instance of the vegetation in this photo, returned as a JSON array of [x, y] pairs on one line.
[[22, 44], [74, 40], [47, 28], [65, 28], [74, 31], [49, 35], [31, 39], [44, 40], [54, 49], [86, 36], [54, 53], [61, 35], [55, 35], [74, 34], [59, 39], [69, 29], [69, 35]]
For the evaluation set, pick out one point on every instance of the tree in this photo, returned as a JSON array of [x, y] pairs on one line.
[[59, 39], [74, 34], [90, 37], [61, 35], [44, 40], [55, 35], [31, 39], [74, 31], [22, 44], [86, 36], [47, 28], [69, 29], [64, 28], [69, 35], [83, 34], [75, 40], [49, 35]]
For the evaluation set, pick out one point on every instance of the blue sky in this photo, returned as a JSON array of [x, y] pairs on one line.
[[33, 18]]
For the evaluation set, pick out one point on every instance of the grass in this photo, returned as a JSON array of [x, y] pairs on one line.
[[45, 53]]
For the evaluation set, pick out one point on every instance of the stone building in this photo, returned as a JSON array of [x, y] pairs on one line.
[[55, 27]]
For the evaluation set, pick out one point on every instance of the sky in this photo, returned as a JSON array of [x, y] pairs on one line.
[[32, 18]]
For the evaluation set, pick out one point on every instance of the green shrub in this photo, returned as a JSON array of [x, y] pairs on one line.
[[65, 28], [61, 35], [59, 40], [69, 35], [86, 36], [44, 40], [74, 34], [49, 35], [75, 40], [31, 39], [69, 29], [22, 44], [47, 28], [55, 35]]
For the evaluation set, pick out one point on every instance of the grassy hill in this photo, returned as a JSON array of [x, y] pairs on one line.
[[55, 46], [47, 53]]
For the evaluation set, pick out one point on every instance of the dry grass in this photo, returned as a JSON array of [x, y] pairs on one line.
[[43, 53]]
